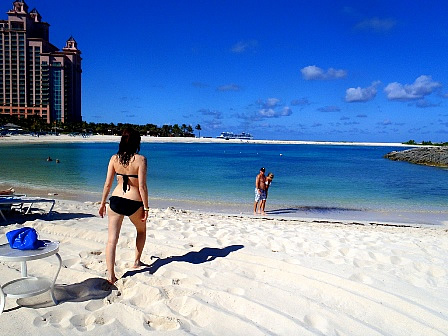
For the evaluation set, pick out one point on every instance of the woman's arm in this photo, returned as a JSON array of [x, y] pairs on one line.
[[107, 186], [142, 186]]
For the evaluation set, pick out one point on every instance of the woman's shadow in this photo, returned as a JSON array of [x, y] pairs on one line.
[[204, 255]]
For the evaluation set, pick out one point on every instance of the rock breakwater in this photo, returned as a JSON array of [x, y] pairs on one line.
[[429, 156]]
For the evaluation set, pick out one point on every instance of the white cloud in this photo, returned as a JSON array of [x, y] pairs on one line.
[[423, 103], [300, 102], [359, 94], [313, 72], [386, 122], [423, 86], [286, 111], [212, 113], [229, 87], [244, 46], [272, 102], [272, 108], [377, 24], [267, 113], [329, 109]]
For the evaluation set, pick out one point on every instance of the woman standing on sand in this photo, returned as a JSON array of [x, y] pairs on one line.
[[268, 182], [129, 198]]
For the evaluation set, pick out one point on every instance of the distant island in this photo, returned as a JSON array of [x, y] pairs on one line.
[[430, 156]]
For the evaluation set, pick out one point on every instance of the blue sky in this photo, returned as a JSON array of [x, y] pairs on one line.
[[299, 70]]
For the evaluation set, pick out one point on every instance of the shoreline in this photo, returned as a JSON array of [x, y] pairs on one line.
[[397, 217], [18, 139]]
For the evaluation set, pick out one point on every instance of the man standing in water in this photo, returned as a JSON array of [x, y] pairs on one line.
[[260, 191]]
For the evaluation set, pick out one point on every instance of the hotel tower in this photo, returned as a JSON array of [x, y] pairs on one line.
[[36, 78]]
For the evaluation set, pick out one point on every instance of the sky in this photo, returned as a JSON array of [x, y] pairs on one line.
[[319, 70]]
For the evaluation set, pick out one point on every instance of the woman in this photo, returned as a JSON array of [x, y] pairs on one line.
[[129, 198], [268, 182]]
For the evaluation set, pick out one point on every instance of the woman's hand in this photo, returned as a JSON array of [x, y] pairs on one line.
[[102, 210], [145, 215]]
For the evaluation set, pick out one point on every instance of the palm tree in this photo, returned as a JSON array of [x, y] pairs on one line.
[[184, 129], [198, 128], [166, 130], [176, 130]]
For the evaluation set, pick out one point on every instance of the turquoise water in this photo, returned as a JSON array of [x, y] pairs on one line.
[[314, 176]]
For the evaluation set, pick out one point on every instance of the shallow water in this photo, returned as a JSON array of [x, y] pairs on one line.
[[308, 178]]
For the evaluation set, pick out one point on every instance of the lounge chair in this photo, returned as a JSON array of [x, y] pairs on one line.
[[22, 203]]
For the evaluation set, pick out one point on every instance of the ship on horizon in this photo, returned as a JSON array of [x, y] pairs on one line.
[[231, 135]]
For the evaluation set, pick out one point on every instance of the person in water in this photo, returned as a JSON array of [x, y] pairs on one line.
[[129, 198], [9, 191]]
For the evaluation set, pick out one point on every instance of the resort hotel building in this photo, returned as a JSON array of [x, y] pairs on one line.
[[36, 78]]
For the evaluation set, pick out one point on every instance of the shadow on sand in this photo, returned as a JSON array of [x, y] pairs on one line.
[[89, 289], [314, 209], [15, 217], [204, 255]]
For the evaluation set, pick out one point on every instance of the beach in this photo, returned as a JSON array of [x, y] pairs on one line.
[[148, 139], [212, 273]]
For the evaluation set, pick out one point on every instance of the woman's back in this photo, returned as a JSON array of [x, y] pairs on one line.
[[128, 176]]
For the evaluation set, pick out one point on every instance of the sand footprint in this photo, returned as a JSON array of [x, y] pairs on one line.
[[68, 263], [237, 291], [143, 296], [396, 260], [162, 323], [56, 319], [318, 322], [420, 267], [210, 273], [83, 322], [345, 251], [436, 271], [360, 277], [94, 305], [87, 322]]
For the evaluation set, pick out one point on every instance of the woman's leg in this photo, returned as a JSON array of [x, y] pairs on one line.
[[140, 240], [262, 207], [115, 221]]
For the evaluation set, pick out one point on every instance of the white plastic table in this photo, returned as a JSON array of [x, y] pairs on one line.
[[28, 286]]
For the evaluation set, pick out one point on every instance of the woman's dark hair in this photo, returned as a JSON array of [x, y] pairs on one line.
[[129, 145]]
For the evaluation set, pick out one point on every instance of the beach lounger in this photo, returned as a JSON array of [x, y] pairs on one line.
[[22, 203]]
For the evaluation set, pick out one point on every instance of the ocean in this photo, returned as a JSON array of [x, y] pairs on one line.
[[310, 180]]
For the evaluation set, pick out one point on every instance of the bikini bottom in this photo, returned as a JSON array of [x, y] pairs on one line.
[[124, 206]]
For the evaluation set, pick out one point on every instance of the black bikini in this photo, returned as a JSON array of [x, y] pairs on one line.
[[124, 206], [126, 181]]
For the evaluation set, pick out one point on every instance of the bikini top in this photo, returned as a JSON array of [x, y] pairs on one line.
[[126, 187]]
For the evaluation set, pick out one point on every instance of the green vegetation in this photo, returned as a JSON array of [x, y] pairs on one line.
[[425, 143], [36, 124]]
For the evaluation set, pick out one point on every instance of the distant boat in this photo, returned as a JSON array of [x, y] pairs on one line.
[[231, 135]]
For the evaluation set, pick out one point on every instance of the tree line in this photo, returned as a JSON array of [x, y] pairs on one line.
[[425, 143], [36, 124]]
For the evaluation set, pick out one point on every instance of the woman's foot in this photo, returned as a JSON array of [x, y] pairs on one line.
[[139, 264], [112, 280]]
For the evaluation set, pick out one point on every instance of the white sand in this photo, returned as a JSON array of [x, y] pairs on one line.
[[233, 275], [111, 138]]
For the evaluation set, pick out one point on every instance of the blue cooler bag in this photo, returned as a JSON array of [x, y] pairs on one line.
[[24, 239]]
